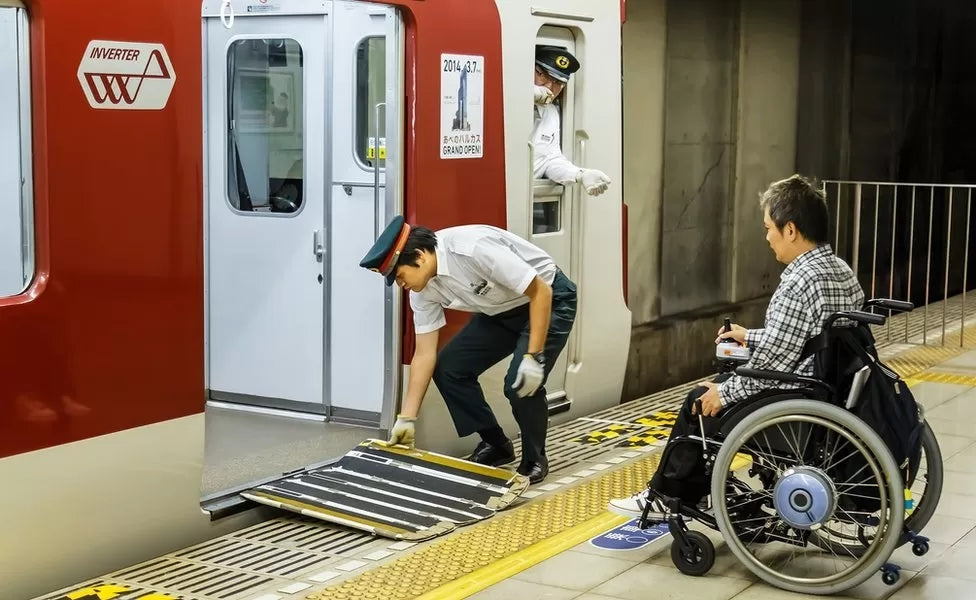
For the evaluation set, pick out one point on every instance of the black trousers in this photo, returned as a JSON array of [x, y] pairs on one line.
[[683, 475], [483, 342]]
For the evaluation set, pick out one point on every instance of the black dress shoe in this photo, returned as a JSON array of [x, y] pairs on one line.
[[486, 454], [536, 471]]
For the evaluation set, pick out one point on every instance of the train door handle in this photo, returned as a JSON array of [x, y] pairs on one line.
[[318, 245]]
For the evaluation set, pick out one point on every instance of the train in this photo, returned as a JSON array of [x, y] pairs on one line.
[[187, 190]]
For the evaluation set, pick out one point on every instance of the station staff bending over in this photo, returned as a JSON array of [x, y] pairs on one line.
[[553, 66], [524, 308], [814, 285]]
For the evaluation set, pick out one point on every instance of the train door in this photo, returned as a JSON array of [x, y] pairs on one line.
[[555, 209], [292, 323], [364, 336]]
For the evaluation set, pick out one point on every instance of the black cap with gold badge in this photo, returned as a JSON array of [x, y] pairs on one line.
[[557, 61], [383, 256]]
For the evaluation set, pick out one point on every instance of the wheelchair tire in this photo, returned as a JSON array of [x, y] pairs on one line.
[[929, 501], [818, 415], [919, 517], [696, 560]]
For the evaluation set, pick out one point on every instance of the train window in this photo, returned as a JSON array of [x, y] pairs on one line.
[[16, 177], [370, 91], [547, 207], [265, 150]]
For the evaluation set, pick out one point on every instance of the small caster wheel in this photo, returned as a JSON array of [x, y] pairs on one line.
[[698, 558], [920, 548], [890, 577]]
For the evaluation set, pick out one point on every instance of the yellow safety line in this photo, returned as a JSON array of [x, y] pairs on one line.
[[931, 377], [523, 559]]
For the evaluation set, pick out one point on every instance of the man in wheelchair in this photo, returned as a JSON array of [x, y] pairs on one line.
[[814, 285]]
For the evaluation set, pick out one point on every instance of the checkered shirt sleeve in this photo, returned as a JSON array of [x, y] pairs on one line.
[[818, 285]]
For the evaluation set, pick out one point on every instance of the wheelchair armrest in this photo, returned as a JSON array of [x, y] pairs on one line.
[[890, 304], [785, 377], [864, 317], [856, 315]]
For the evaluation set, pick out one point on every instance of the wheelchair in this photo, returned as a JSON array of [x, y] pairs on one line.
[[822, 504]]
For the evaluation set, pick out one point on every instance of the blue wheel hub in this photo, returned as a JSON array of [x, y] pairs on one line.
[[804, 497]]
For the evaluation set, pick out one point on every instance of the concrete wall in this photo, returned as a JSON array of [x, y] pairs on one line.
[[769, 55], [823, 107], [645, 37], [697, 154]]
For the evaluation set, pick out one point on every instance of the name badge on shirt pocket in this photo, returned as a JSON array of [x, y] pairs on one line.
[[481, 288]]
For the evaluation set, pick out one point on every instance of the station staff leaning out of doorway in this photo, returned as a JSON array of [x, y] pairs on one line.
[[524, 308], [553, 66]]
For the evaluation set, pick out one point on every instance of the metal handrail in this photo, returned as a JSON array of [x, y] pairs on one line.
[[902, 205]]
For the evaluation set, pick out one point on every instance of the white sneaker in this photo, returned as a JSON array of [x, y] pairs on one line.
[[634, 506]]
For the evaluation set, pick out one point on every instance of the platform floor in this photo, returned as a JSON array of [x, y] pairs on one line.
[[540, 547]]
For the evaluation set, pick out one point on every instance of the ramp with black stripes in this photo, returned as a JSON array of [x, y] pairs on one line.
[[395, 492]]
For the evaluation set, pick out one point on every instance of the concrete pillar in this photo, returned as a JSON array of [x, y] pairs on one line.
[[699, 153], [644, 44], [765, 148]]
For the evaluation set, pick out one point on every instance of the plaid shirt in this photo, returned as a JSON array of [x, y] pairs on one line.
[[812, 287]]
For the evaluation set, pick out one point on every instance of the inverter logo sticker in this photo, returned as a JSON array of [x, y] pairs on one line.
[[126, 75]]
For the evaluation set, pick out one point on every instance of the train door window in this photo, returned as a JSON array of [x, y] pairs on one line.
[[16, 177], [549, 197], [265, 161], [370, 92]]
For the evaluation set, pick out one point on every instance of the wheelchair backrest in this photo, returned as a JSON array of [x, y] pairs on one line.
[[838, 358]]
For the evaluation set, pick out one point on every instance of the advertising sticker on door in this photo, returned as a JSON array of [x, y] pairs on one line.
[[462, 106]]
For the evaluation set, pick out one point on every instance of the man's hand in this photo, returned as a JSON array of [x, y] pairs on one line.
[[403, 431], [738, 334], [593, 181], [529, 378], [710, 402], [543, 95]]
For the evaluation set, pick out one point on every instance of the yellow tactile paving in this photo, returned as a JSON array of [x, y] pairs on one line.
[[943, 378], [916, 360], [478, 548]]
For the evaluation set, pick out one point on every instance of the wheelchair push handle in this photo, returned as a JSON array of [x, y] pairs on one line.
[[895, 306]]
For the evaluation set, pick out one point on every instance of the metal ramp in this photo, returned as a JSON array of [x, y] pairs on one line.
[[395, 492]]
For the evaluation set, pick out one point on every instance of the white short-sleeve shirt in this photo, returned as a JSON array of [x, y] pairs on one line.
[[480, 268]]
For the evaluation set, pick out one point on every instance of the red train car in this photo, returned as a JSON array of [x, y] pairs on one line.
[[185, 194]]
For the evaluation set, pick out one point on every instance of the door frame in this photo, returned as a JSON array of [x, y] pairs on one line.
[[391, 202], [570, 205]]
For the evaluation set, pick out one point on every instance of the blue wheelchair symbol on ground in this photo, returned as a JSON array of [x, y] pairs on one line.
[[629, 536]]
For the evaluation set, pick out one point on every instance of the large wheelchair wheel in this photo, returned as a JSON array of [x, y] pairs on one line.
[[927, 487], [926, 490], [814, 466]]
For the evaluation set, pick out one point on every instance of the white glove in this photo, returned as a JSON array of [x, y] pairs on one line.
[[529, 378], [543, 95], [403, 431], [594, 182]]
